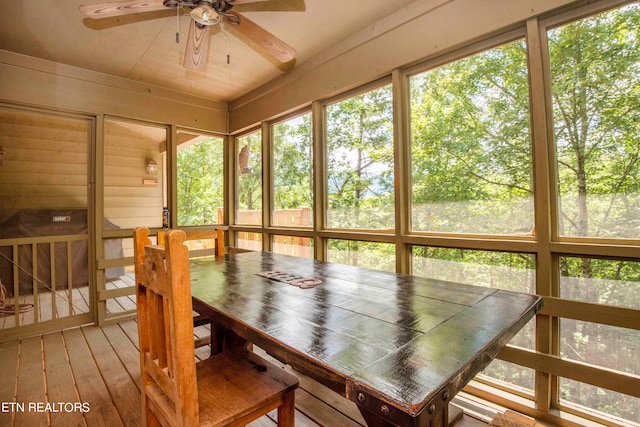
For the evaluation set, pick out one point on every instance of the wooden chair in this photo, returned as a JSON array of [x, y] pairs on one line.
[[217, 236], [214, 234], [231, 388]]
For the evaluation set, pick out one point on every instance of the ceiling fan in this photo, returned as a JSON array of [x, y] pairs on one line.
[[205, 14]]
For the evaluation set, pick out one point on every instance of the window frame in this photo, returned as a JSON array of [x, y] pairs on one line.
[[546, 245]]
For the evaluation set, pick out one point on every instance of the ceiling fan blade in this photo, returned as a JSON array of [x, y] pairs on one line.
[[195, 56], [119, 8], [273, 46], [272, 6], [118, 21], [245, 1]]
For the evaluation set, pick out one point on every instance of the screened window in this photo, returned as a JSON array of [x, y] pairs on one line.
[[602, 345], [249, 195], [470, 145], [501, 270], [596, 398], [595, 81], [293, 245], [595, 72], [469, 176], [378, 256], [292, 172], [200, 179], [250, 241], [360, 161], [600, 281]]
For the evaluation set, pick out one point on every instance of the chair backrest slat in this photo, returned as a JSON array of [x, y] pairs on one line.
[[166, 329], [216, 235]]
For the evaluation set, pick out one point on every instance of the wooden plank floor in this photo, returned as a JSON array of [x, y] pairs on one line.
[[49, 306], [89, 376]]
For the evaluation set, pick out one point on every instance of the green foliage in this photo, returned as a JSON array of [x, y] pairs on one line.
[[595, 67], [200, 182], [471, 144], [378, 256], [360, 161], [292, 163]]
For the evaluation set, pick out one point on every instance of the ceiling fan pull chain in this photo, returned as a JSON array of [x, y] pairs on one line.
[[178, 25], [225, 31]]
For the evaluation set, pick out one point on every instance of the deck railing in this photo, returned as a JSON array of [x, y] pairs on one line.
[[47, 284], [289, 245]]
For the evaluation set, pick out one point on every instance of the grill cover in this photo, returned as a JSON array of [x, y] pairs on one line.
[[52, 222]]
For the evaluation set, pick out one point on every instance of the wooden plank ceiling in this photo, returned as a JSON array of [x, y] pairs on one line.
[[143, 47]]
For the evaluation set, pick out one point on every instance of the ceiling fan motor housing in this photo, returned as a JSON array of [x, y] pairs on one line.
[[218, 5]]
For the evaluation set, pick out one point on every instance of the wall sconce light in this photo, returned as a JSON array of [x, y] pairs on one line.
[[152, 167]]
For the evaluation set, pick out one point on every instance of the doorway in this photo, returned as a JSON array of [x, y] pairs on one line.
[[44, 221]]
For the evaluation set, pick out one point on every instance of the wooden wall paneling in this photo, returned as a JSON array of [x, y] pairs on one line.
[[45, 162], [128, 202], [68, 88]]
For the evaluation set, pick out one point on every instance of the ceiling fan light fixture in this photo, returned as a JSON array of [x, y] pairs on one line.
[[204, 14]]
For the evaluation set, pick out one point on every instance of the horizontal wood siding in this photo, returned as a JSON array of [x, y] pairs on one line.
[[48, 84], [128, 202], [45, 162]]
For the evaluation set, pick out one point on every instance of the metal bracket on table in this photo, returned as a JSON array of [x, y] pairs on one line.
[[435, 413]]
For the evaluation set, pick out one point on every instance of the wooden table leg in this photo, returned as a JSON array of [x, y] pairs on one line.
[[374, 420], [223, 339]]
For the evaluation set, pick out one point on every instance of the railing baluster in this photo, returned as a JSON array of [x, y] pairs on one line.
[[28, 282], [69, 279], [52, 257], [16, 285], [34, 272]]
